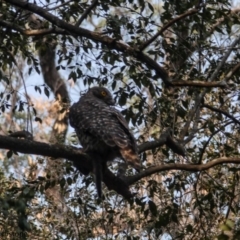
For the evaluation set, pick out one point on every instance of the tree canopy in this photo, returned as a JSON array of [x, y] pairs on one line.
[[173, 68]]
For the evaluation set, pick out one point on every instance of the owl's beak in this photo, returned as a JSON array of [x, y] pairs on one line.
[[111, 101]]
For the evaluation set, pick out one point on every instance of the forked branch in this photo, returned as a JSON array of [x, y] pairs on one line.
[[83, 162]]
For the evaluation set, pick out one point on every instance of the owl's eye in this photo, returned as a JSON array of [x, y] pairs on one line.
[[103, 93]]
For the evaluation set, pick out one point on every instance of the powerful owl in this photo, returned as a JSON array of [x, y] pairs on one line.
[[102, 131]]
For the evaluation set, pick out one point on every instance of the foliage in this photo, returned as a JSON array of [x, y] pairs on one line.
[[173, 67]]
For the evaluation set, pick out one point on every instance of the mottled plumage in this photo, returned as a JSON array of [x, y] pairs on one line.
[[102, 130]]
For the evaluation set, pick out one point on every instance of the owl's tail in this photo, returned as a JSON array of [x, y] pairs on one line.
[[131, 157], [98, 170]]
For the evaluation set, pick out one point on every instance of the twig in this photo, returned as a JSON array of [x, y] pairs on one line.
[[209, 139], [222, 112], [224, 59], [29, 118], [88, 10], [199, 84], [166, 26], [58, 6], [185, 167], [95, 36], [231, 72]]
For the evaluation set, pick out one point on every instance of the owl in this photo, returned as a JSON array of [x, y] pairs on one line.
[[102, 131]]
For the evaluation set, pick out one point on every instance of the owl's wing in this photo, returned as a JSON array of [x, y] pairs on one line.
[[124, 127], [128, 150]]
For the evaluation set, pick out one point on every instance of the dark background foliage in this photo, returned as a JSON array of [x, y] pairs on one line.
[[173, 68]]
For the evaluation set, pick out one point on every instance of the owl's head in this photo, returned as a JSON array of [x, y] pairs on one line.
[[102, 94]]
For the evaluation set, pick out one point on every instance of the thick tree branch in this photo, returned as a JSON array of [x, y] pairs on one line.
[[185, 167], [61, 151], [56, 151], [153, 144], [43, 149], [32, 32], [111, 43], [95, 36], [165, 138], [82, 161]]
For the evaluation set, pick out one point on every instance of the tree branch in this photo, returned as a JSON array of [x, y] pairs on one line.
[[165, 138], [199, 84], [153, 144], [210, 82], [56, 151], [185, 167], [112, 44], [32, 32], [209, 139], [222, 112], [88, 10], [224, 59], [43, 149], [83, 162], [166, 26], [58, 6], [232, 71], [95, 36]]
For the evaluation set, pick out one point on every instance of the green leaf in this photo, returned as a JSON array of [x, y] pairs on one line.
[[37, 119], [47, 185], [69, 181], [153, 208], [46, 91], [41, 178], [88, 65], [9, 154], [150, 7], [34, 111], [62, 182], [211, 126], [37, 89]]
